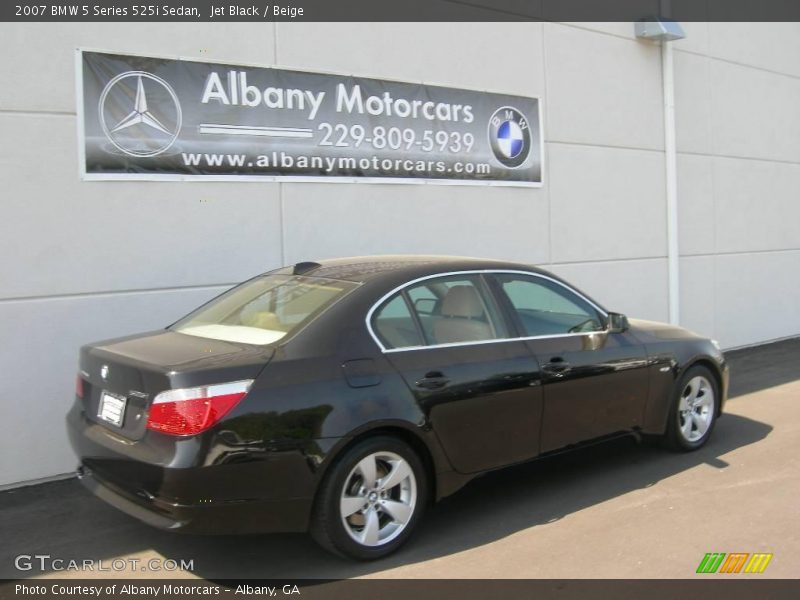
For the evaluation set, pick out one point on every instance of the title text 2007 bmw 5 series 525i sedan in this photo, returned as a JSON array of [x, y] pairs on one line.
[[345, 396]]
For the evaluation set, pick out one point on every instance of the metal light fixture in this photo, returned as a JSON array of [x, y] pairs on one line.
[[662, 30]]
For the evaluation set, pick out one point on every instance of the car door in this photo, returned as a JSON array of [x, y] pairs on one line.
[[594, 382], [479, 390]]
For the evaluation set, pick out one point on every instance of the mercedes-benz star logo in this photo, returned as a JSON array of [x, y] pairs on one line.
[[153, 124]]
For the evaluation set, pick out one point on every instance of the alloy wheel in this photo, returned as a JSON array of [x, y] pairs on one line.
[[378, 498], [696, 408]]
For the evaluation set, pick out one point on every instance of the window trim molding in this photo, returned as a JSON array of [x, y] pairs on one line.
[[402, 287], [412, 310]]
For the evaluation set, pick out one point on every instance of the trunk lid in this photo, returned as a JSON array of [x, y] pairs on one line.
[[131, 371]]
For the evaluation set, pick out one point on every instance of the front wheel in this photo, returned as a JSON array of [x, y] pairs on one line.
[[694, 410], [371, 499]]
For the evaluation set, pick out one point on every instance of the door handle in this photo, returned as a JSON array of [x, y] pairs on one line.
[[433, 380], [557, 367]]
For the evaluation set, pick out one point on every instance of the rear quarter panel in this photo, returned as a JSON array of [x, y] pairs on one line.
[[326, 386]]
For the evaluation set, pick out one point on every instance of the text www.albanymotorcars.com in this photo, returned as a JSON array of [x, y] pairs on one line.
[[312, 163]]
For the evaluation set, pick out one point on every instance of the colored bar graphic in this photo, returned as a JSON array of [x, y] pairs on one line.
[[758, 562], [735, 562], [711, 562]]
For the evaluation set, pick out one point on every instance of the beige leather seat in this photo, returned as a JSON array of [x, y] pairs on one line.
[[460, 317]]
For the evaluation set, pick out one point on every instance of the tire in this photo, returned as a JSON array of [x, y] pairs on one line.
[[379, 518], [696, 398]]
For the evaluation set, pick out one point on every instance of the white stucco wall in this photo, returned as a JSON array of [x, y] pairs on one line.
[[84, 261]]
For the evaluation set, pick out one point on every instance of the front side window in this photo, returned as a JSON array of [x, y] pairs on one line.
[[444, 310], [544, 307], [263, 310]]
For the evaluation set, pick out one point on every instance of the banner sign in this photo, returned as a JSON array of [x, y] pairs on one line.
[[156, 118]]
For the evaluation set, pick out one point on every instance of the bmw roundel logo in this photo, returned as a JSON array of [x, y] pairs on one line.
[[509, 136]]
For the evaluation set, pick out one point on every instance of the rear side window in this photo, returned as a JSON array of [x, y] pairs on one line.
[[264, 310], [443, 310], [395, 326]]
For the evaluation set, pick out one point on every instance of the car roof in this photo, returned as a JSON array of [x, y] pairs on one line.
[[388, 268]]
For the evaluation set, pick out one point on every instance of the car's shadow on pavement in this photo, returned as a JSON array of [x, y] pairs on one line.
[[63, 520]]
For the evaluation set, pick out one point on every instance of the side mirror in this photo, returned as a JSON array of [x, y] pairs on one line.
[[617, 323]]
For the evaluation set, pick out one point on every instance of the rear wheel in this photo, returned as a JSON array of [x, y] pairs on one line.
[[694, 410], [370, 500]]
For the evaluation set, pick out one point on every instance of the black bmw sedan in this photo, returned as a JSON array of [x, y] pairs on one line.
[[345, 396]]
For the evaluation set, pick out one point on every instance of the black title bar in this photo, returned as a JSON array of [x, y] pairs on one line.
[[397, 10], [732, 588]]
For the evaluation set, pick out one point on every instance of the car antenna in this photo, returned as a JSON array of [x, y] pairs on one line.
[[304, 267]]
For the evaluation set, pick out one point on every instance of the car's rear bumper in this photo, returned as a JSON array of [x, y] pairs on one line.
[[226, 517], [180, 488]]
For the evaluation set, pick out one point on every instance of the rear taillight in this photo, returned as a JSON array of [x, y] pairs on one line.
[[79, 387], [193, 410]]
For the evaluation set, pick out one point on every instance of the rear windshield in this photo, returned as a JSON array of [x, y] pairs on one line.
[[263, 310]]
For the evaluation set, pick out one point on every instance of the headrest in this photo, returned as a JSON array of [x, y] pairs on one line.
[[462, 301], [262, 320]]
